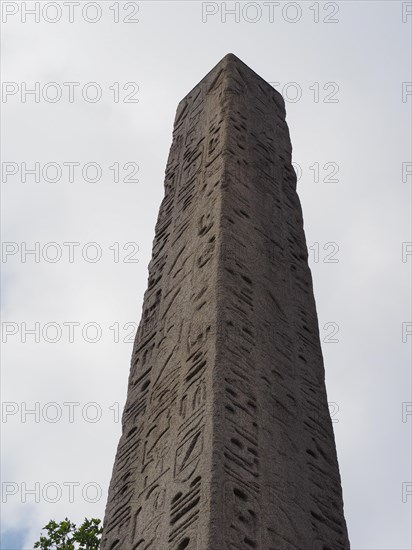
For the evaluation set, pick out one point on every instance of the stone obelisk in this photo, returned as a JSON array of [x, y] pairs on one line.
[[227, 441]]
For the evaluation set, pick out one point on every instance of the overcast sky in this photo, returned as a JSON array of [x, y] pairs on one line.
[[99, 147]]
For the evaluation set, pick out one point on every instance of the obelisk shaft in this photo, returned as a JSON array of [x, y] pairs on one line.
[[227, 442]]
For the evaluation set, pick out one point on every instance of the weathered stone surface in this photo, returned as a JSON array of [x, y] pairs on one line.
[[227, 442]]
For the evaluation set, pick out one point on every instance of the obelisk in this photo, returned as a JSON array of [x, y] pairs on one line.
[[227, 442]]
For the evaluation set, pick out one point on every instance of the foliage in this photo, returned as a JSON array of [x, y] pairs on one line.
[[65, 535]]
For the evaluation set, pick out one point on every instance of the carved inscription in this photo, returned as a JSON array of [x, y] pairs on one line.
[[226, 438]]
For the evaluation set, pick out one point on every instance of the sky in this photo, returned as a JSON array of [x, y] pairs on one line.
[[89, 95]]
